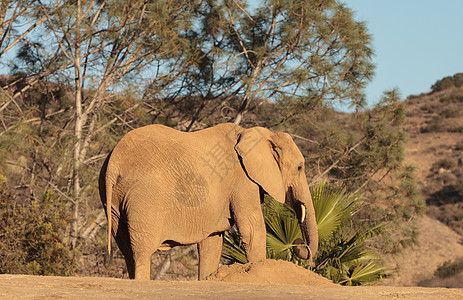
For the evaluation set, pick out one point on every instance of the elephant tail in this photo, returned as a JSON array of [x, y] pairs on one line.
[[109, 192]]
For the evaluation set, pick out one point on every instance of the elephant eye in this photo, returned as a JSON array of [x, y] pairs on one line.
[[299, 168]]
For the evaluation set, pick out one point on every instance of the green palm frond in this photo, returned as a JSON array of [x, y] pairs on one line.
[[345, 259], [332, 207], [282, 229], [367, 272], [233, 248]]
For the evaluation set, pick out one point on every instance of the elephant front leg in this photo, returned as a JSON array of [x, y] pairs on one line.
[[253, 235], [209, 251], [251, 226]]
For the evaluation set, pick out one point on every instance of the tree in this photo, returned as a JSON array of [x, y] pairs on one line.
[[302, 52], [17, 23]]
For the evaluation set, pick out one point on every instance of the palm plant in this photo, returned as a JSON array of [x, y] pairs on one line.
[[342, 255]]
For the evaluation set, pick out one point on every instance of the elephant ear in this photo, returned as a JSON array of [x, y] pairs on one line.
[[259, 155]]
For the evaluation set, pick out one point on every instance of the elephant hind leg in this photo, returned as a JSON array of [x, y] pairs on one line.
[[136, 248], [124, 246], [209, 251], [138, 261], [143, 246], [143, 264], [122, 238]]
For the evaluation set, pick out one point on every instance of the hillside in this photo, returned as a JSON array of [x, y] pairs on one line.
[[435, 127], [435, 147]]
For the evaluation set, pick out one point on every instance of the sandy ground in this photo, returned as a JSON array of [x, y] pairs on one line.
[[39, 287]]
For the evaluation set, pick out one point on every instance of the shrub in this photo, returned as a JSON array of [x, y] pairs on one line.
[[444, 163], [430, 107], [456, 129], [451, 99], [435, 125], [32, 236], [449, 268], [459, 187], [459, 146], [450, 113], [447, 82]]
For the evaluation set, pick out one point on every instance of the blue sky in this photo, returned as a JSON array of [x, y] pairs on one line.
[[416, 42]]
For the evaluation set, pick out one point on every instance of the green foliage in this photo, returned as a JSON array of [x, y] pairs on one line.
[[343, 254], [233, 247], [345, 260], [32, 236], [332, 207], [296, 51], [282, 230]]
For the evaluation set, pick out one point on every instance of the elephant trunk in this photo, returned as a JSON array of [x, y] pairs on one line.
[[309, 229], [303, 205]]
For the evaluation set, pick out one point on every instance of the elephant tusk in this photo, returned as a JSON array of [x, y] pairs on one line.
[[303, 213]]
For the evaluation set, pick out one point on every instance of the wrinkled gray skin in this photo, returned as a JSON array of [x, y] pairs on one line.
[[164, 188]]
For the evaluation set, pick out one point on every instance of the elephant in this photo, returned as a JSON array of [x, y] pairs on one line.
[[161, 188]]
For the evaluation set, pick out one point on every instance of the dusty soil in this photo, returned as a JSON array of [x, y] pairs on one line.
[[269, 279], [38, 287]]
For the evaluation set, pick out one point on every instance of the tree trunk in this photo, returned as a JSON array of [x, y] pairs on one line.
[[238, 118], [248, 96], [77, 131]]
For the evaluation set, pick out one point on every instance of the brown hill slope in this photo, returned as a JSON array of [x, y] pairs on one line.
[[437, 244], [435, 147]]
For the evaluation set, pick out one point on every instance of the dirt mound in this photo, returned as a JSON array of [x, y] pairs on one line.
[[269, 271]]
